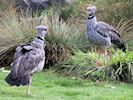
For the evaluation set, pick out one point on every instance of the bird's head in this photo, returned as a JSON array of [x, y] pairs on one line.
[[41, 30], [91, 11]]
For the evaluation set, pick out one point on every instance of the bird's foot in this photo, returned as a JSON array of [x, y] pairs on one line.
[[98, 63]]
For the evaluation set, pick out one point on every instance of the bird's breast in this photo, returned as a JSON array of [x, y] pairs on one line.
[[97, 39], [39, 67]]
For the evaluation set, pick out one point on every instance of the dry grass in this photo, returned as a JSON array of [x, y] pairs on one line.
[[16, 29], [13, 30]]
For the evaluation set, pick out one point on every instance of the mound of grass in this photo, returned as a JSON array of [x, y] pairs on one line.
[[16, 29], [119, 67]]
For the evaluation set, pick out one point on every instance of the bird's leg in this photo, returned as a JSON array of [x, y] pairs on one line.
[[28, 89], [99, 54], [106, 56]]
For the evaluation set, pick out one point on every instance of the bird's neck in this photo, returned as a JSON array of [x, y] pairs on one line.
[[91, 22], [39, 41]]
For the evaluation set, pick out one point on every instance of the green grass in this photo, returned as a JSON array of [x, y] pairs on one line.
[[118, 68], [51, 86]]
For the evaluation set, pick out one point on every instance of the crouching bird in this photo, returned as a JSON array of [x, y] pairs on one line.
[[102, 34], [28, 59]]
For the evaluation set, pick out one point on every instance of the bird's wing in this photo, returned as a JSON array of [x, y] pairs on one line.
[[26, 58], [20, 50], [107, 31], [32, 59]]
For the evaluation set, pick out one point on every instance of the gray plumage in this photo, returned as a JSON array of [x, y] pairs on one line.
[[28, 59], [101, 33]]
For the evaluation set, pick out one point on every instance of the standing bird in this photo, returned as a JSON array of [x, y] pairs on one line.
[[102, 34], [28, 59]]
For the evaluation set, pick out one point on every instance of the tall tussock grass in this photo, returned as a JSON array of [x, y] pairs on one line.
[[62, 36], [14, 31], [5, 4], [119, 67], [60, 31]]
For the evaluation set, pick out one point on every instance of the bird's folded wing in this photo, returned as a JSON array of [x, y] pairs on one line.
[[106, 30], [27, 62], [28, 47], [33, 58], [21, 49]]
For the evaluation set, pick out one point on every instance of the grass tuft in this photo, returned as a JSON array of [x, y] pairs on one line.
[[119, 67]]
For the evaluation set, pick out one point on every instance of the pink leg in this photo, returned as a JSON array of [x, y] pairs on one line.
[[99, 54], [106, 56]]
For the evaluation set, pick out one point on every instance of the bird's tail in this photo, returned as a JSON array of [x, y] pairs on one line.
[[122, 47], [17, 81], [119, 44]]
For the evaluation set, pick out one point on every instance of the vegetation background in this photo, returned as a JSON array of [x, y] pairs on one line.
[[68, 51]]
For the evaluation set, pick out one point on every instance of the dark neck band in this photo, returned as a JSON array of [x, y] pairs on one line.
[[91, 17], [40, 38]]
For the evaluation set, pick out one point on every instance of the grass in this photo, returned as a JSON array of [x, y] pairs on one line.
[[64, 33], [62, 36], [52, 86], [16, 29], [67, 35], [119, 67]]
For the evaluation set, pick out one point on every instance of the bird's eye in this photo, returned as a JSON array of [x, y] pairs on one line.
[[43, 29], [89, 10]]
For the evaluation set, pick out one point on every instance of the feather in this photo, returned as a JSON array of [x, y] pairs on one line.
[[106, 30]]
